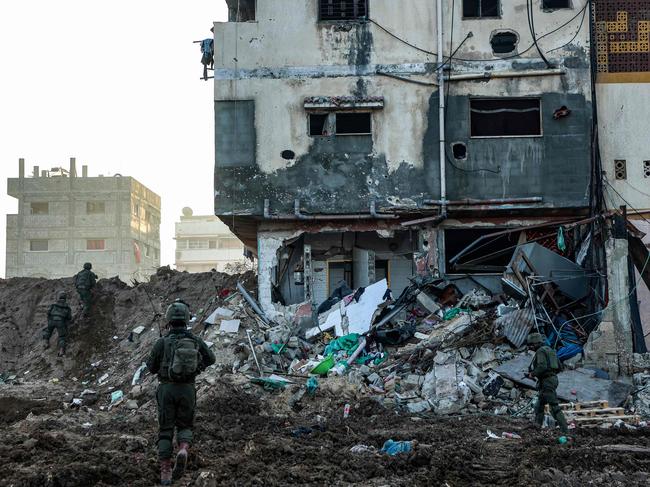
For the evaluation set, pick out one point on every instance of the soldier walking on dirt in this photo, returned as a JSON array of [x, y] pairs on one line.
[[545, 367], [59, 316], [85, 281], [177, 358]]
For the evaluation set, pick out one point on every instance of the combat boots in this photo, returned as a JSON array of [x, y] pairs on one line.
[[166, 472], [181, 460]]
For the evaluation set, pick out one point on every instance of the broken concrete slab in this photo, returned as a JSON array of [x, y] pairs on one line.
[[574, 385], [229, 326], [219, 313], [427, 302]]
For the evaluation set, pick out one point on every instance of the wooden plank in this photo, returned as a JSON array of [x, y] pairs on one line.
[[603, 403], [625, 448], [596, 412], [633, 419]]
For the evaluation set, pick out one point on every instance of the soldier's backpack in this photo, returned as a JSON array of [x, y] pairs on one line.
[[58, 313], [82, 279], [182, 358]]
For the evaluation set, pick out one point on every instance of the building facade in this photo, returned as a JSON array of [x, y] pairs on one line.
[[65, 220], [340, 155], [203, 243], [622, 43]]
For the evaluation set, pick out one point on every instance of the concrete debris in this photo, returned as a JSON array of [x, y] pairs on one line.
[[229, 326]]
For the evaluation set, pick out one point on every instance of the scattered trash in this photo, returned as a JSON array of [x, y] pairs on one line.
[[116, 396], [137, 377], [396, 447], [346, 411], [359, 449], [229, 326]]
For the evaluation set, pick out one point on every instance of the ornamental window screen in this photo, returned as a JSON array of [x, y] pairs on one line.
[[620, 169], [646, 169], [622, 30]]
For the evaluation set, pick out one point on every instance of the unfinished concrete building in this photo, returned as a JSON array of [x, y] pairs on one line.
[[203, 243], [360, 140], [65, 219]]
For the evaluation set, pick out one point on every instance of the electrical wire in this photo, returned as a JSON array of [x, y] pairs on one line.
[[519, 54], [531, 27], [637, 212], [582, 21]]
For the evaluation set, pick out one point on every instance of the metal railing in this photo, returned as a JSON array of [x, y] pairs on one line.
[[343, 9]]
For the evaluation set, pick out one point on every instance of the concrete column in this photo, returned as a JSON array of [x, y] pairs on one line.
[[73, 167], [84, 171], [268, 244], [36, 171], [21, 168], [610, 346]]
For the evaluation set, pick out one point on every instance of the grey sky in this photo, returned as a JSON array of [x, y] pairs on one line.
[[116, 85]]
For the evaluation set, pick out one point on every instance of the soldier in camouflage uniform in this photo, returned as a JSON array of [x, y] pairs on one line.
[[545, 367], [59, 316], [177, 358], [84, 281]]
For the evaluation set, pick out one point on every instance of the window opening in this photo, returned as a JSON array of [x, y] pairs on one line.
[[646, 169], [505, 117], [620, 169], [504, 42], [353, 123], [213, 244], [382, 271], [343, 9], [327, 124], [474, 9], [38, 245], [38, 208], [241, 10], [95, 244], [492, 256], [553, 4], [95, 207], [460, 151]]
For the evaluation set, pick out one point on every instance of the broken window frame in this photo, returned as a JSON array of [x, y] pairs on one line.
[[333, 123], [95, 207], [323, 4], [476, 98], [39, 208], [480, 8], [95, 245]]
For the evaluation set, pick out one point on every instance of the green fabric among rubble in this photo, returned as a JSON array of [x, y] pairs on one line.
[[269, 384], [348, 343], [453, 312]]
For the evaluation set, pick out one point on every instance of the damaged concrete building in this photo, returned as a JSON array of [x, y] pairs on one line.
[[65, 219], [363, 140]]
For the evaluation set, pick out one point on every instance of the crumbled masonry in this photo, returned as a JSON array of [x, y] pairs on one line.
[[428, 379]]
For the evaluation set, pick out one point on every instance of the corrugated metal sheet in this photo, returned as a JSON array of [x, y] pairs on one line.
[[516, 326]]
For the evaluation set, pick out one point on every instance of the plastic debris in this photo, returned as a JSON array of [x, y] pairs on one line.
[[396, 447]]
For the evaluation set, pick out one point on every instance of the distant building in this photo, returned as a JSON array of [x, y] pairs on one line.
[[204, 243], [65, 220]]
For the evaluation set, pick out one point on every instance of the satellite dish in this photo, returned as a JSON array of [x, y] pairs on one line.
[[187, 211]]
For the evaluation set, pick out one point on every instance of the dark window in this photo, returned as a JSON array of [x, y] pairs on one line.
[[503, 42], [550, 4], [646, 169], [40, 208], [353, 123], [343, 9], [321, 124], [505, 117], [473, 9], [317, 123], [241, 10], [95, 207], [38, 245], [213, 244], [235, 133]]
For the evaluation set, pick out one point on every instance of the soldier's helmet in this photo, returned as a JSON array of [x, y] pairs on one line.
[[535, 339], [63, 296], [88, 266], [178, 312]]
